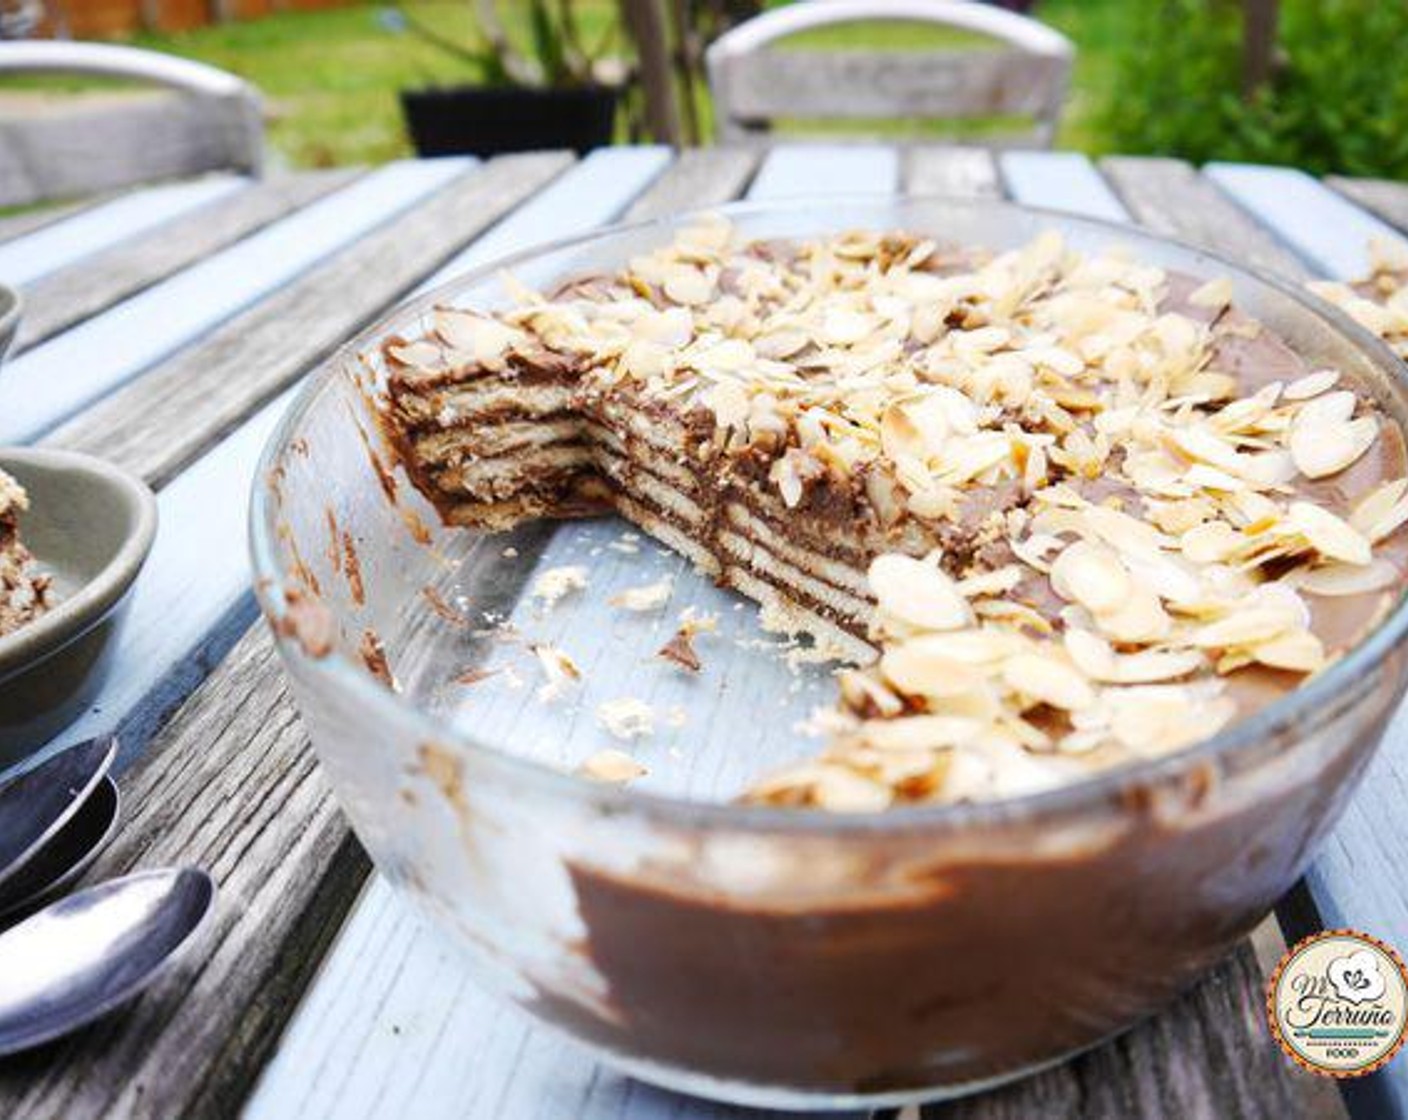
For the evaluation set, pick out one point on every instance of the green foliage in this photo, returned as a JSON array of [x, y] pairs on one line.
[[1337, 101]]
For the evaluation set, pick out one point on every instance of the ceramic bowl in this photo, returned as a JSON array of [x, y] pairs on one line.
[[90, 526]]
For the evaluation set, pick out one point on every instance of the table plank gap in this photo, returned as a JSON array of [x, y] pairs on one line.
[[64, 298]]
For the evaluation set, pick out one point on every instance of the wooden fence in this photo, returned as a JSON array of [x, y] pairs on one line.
[[96, 19]]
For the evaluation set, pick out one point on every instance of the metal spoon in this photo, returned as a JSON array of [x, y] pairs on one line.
[[91, 952], [65, 855], [35, 805]]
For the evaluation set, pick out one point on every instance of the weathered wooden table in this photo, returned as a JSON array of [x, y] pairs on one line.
[[166, 329]]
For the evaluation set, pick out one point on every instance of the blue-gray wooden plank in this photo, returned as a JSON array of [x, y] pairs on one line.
[[1360, 877], [802, 169], [585, 197], [1060, 181], [392, 1027], [53, 381], [51, 247], [1331, 233]]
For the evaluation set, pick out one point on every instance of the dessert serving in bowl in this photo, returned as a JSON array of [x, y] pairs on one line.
[[844, 652]]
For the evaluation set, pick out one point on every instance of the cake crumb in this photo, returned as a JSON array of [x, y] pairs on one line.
[[693, 621], [558, 667], [626, 718], [373, 654], [680, 650], [475, 675], [556, 584], [650, 597], [612, 765], [510, 552]]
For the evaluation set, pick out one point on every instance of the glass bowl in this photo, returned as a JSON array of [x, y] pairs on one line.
[[753, 954]]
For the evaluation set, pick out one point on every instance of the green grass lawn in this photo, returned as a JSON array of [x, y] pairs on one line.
[[331, 77]]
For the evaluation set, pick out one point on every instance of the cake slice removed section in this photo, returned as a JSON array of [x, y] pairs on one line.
[[24, 592]]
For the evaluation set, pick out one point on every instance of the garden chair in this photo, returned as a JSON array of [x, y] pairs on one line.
[[1023, 75], [83, 146]]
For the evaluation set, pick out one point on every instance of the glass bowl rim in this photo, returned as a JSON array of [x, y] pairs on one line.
[[340, 673]]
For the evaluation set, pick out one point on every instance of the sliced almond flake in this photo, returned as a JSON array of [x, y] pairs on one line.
[[1090, 653], [840, 790], [1214, 294], [1299, 651], [1328, 534], [1387, 254], [1323, 450], [1211, 542], [1048, 680], [862, 692], [1312, 385], [1383, 510], [1243, 628], [482, 339], [688, 286], [1091, 575], [916, 670], [612, 766], [1141, 618], [1335, 580], [425, 356], [920, 732], [918, 593]]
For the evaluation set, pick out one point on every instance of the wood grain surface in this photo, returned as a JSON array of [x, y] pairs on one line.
[[63, 298]]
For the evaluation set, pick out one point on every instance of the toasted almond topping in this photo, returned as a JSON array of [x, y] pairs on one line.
[[1153, 524]]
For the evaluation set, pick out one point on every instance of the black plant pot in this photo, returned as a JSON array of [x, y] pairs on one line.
[[484, 121]]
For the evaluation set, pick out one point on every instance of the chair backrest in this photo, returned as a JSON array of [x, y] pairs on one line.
[[86, 145], [1024, 74]]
